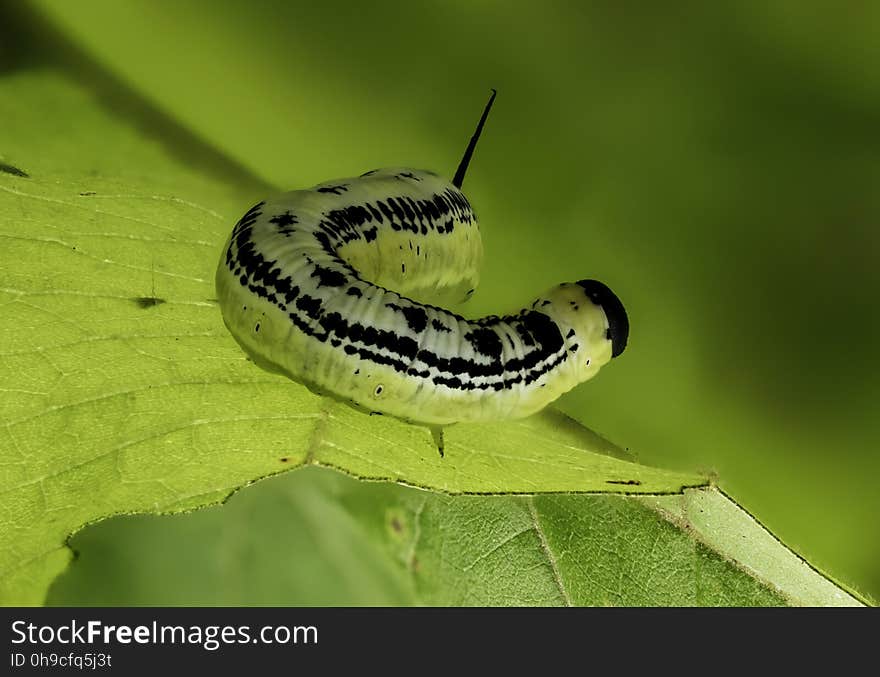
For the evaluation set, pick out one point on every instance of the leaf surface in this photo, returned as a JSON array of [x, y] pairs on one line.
[[316, 537], [123, 392]]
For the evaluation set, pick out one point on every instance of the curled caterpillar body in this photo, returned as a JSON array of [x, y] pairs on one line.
[[330, 286], [304, 287]]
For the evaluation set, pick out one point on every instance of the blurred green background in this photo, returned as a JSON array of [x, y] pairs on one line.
[[717, 164]]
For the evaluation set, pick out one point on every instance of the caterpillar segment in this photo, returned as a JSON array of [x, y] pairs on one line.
[[341, 287]]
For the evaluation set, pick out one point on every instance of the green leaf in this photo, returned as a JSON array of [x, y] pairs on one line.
[[759, 137], [123, 392], [315, 537]]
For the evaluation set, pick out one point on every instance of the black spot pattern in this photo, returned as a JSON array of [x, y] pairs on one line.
[[437, 213], [416, 317], [485, 341], [329, 277], [335, 190], [284, 222], [310, 305], [284, 219], [306, 296]]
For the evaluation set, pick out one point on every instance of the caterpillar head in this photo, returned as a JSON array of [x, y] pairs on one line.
[[593, 322]]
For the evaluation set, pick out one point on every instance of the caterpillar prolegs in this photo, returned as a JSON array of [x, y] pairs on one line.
[[330, 286]]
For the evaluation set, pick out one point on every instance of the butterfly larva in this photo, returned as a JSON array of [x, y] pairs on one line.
[[306, 281]]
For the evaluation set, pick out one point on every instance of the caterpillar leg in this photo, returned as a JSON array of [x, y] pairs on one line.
[[437, 434]]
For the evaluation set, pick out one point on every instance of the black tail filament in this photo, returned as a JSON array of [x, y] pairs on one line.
[[458, 179]]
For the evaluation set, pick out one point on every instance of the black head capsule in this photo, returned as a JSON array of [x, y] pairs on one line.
[[618, 322]]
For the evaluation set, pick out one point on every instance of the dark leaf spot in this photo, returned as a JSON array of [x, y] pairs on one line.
[[15, 171], [144, 302]]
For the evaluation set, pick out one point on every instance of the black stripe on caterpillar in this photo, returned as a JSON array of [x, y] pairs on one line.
[[330, 286]]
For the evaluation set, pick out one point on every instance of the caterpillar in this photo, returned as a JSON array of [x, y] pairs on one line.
[[340, 287]]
